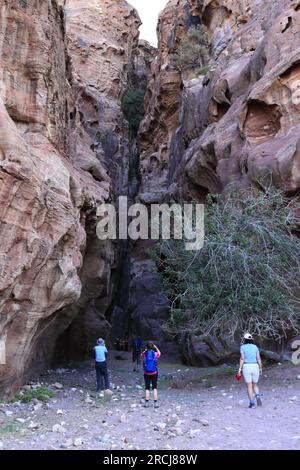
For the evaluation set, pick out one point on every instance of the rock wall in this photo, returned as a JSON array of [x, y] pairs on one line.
[[251, 99], [63, 68], [65, 148], [148, 306], [102, 45], [238, 124], [161, 104]]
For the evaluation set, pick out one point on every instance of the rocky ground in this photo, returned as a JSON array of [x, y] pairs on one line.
[[199, 409]]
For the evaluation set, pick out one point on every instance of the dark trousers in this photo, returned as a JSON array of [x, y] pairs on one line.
[[101, 374], [151, 380]]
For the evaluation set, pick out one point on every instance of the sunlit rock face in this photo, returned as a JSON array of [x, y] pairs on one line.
[[251, 98], [237, 124], [162, 103], [63, 68]]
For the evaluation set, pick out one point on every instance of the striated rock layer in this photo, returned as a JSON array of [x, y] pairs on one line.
[[102, 44], [251, 98], [238, 124], [65, 148], [63, 68], [161, 104]]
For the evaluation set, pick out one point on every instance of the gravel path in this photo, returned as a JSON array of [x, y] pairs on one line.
[[199, 409]]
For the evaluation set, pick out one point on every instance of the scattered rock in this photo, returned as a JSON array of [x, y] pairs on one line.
[[58, 428], [9, 413], [61, 371], [37, 385], [57, 385], [67, 443], [177, 431], [108, 392], [59, 412], [204, 422], [293, 398], [77, 442], [32, 425], [160, 426], [123, 419], [105, 439], [193, 433]]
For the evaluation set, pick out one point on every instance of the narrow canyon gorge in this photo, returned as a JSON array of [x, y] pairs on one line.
[[66, 147]]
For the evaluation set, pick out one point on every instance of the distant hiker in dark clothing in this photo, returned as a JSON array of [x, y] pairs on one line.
[[150, 357], [100, 365], [136, 345]]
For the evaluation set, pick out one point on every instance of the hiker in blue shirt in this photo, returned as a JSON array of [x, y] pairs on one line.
[[250, 364], [100, 352]]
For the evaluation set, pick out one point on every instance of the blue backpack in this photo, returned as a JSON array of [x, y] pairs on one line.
[[150, 362]]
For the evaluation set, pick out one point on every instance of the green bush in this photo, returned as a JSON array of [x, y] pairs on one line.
[[40, 393], [133, 107], [193, 51], [246, 277], [10, 428]]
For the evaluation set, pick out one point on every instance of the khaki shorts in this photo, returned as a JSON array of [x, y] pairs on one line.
[[251, 373]]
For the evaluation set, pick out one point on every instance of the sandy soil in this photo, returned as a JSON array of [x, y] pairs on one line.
[[199, 409]]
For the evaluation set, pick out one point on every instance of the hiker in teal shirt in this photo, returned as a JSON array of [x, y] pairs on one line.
[[250, 364]]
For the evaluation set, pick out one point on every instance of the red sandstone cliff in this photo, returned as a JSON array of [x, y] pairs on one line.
[[63, 69]]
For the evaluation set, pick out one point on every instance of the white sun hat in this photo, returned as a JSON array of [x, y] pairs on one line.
[[248, 336]]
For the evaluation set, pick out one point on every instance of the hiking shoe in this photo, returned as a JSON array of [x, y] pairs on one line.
[[156, 405], [146, 404], [258, 400], [252, 405]]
